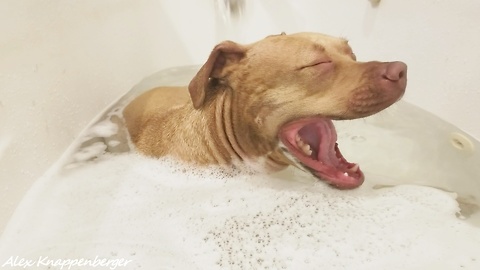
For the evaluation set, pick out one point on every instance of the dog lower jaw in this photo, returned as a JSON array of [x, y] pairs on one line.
[[310, 143], [339, 179]]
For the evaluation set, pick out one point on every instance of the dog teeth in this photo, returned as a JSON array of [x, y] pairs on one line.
[[352, 170], [307, 150], [304, 146], [355, 168]]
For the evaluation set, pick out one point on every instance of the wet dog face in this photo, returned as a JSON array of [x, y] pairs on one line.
[[287, 89]]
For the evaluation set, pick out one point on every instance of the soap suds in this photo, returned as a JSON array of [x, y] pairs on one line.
[[163, 215], [94, 150]]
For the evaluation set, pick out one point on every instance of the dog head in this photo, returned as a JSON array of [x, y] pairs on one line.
[[288, 88]]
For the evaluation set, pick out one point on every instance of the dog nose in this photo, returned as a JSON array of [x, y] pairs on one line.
[[395, 71]]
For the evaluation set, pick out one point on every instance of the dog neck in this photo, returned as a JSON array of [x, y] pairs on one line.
[[234, 137]]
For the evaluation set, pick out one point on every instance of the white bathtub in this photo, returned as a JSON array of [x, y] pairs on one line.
[[63, 62]]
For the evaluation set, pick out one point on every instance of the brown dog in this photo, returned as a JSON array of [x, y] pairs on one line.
[[270, 102]]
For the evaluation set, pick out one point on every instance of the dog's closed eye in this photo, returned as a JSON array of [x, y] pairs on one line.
[[317, 63], [321, 65]]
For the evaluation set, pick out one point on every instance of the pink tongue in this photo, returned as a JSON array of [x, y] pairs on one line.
[[327, 152]]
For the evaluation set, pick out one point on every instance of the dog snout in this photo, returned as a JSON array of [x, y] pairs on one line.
[[384, 84], [393, 79], [395, 71]]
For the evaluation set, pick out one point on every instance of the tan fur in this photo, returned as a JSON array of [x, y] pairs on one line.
[[235, 105]]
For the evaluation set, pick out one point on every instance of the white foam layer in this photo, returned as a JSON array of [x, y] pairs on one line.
[[160, 217], [91, 151], [105, 128]]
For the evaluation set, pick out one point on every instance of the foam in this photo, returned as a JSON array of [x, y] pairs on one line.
[[94, 150], [103, 128], [164, 215]]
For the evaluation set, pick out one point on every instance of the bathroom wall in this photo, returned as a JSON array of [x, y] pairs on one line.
[[62, 62]]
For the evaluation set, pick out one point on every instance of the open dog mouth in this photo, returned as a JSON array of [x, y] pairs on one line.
[[312, 142]]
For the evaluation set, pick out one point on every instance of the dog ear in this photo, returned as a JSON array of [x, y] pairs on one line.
[[222, 55]]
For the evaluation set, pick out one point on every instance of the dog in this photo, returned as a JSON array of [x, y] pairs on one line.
[[272, 102]]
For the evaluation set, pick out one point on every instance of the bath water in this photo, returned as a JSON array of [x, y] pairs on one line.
[[163, 215], [108, 202]]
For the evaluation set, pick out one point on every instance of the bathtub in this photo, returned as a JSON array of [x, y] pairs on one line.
[[62, 63]]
